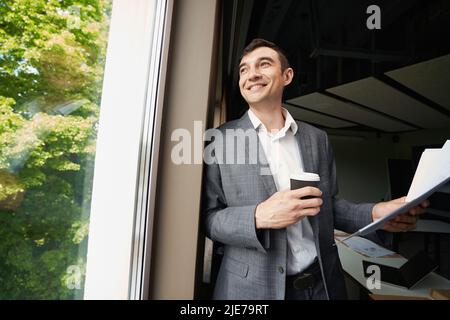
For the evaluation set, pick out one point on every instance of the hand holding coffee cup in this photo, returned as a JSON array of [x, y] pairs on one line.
[[287, 207], [304, 179]]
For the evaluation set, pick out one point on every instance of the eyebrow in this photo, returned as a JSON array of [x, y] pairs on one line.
[[259, 60]]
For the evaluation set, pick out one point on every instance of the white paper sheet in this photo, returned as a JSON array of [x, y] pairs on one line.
[[434, 167], [367, 247]]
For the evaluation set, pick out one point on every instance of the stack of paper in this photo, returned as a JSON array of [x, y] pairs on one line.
[[433, 168]]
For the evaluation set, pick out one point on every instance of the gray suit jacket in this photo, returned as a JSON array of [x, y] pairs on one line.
[[254, 263]]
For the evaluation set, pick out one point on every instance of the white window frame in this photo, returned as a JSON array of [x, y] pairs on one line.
[[121, 218]]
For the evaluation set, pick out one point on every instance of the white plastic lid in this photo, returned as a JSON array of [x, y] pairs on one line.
[[305, 176]]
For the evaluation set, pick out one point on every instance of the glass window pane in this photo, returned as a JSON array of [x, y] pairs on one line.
[[52, 56]]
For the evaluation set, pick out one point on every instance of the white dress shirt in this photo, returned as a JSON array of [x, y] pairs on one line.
[[283, 155]]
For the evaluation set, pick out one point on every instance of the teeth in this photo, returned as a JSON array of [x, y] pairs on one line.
[[256, 87]]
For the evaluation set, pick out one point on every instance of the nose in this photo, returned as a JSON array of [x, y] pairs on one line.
[[254, 74]]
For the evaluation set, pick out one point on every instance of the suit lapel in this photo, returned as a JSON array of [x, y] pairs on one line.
[[262, 166], [310, 161], [310, 164]]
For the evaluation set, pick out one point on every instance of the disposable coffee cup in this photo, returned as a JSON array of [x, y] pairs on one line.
[[304, 179]]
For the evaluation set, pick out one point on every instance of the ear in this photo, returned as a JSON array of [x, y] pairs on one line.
[[288, 74]]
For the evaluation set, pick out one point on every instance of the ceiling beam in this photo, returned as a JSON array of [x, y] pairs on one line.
[[413, 94], [343, 52]]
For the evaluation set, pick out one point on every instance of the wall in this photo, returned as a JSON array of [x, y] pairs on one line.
[[189, 93], [361, 166]]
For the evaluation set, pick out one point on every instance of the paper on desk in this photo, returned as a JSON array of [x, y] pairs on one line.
[[367, 247], [433, 172]]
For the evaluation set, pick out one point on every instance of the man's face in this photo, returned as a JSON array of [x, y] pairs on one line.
[[261, 78]]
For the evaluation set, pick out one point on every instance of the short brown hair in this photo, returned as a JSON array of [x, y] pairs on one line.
[[258, 43]]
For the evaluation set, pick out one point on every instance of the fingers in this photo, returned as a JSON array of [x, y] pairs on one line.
[[405, 218], [307, 212], [399, 200], [308, 203], [402, 223], [309, 207], [416, 210], [420, 208], [306, 191], [400, 226], [425, 204]]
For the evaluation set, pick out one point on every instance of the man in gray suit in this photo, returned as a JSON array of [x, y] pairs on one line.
[[278, 243]]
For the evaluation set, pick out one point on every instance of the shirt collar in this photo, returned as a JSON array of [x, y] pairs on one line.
[[289, 122]]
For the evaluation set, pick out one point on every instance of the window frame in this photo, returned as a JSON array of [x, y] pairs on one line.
[[122, 208]]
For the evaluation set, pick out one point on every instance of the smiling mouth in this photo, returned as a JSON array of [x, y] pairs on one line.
[[256, 87]]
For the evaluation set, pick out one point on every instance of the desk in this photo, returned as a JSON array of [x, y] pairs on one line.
[[352, 265]]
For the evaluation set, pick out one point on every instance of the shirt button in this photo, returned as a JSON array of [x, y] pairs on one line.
[[281, 270]]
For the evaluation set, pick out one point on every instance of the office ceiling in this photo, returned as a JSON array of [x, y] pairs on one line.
[[431, 79], [348, 77], [344, 110]]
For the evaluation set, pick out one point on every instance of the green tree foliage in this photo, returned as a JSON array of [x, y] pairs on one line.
[[52, 55]]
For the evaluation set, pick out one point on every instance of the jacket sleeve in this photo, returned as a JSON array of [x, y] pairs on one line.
[[234, 226]]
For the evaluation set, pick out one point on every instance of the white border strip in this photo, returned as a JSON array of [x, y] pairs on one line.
[[146, 189], [124, 99]]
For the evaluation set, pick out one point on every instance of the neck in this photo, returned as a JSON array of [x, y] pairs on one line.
[[271, 117]]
